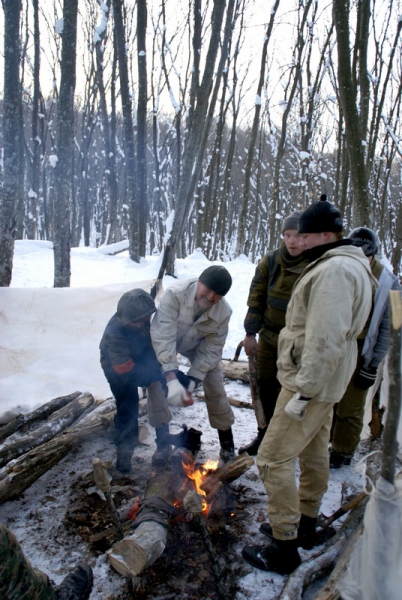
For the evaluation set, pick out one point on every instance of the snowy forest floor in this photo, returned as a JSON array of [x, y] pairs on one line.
[[55, 518]]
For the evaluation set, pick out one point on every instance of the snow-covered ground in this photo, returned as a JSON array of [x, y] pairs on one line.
[[49, 347]]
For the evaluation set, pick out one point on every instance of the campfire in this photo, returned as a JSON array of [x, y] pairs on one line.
[[179, 489]]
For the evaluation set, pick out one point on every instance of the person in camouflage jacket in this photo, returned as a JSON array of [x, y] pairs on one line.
[[19, 580], [268, 298]]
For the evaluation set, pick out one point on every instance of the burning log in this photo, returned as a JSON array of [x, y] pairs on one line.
[[228, 472], [57, 422], [40, 413], [26, 469], [140, 550]]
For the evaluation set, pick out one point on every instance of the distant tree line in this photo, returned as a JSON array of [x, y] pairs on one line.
[[146, 131]]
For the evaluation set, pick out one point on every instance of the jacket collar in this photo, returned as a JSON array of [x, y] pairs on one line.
[[316, 252]]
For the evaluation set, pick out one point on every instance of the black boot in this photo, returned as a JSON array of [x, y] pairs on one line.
[[163, 449], [123, 462], [252, 447], [77, 585], [306, 533], [281, 556], [227, 445], [339, 459]]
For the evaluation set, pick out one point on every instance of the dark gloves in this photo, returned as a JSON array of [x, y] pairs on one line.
[[365, 377], [190, 383]]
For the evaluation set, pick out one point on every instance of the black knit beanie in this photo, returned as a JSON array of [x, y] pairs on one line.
[[291, 221], [217, 279], [135, 305], [366, 239], [321, 216]]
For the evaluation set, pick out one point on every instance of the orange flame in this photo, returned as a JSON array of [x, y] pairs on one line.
[[198, 476]]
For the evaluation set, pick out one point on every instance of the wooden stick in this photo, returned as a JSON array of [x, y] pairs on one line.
[[390, 435]]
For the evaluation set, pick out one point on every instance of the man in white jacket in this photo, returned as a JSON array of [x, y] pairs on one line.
[[192, 319], [317, 352]]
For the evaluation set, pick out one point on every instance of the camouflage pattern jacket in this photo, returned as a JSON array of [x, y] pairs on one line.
[[270, 292]]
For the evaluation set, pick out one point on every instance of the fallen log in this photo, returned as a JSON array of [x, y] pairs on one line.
[[40, 413], [57, 422], [232, 402], [236, 370], [323, 562], [140, 550], [26, 469]]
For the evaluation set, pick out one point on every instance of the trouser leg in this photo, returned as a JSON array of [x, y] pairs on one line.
[[267, 356], [126, 418], [159, 413], [348, 420], [18, 579], [284, 441], [219, 410]]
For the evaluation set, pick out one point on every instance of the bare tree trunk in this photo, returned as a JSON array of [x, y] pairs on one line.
[[353, 122], [131, 172], [243, 243], [199, 131], [11, 137], [142, 124], [65, 141]]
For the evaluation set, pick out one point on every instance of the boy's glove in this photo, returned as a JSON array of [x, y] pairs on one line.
[[177, 394], [296, 407], [365, 377]]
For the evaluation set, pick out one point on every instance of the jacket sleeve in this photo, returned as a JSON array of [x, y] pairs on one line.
[[327, 329], [382, 343], [164, 331], [257, 298], [118, 353], [209, 351]]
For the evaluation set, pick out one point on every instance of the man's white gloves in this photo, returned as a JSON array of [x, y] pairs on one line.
[[296, 407], [177, 394]]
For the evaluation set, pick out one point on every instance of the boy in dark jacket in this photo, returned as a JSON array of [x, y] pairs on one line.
[[129, 362]]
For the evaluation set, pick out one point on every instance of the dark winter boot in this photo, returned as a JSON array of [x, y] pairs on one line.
[[163, 448], [281, 556], [123, 462], [77, 585], [227, 445], [252, 447], [339, 459], [307, 536]]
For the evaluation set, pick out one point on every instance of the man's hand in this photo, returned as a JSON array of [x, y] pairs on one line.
[[177, 394], [296, 407], [249, 343]]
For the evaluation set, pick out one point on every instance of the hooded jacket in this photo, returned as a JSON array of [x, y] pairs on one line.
[[176, 328], [329, 307]]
